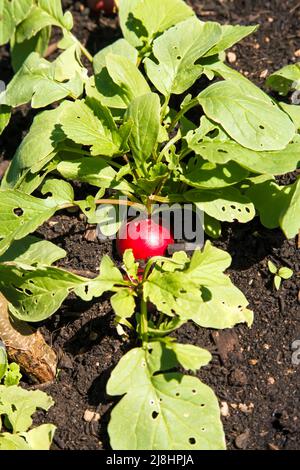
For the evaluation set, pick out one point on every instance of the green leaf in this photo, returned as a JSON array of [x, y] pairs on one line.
[[191, 357], [109, 277], [19, 405], [144, 113], [206, 175], [212, 226], [142, 21], [20, 51], [20, 9], [285, 273], [127, 76], [293, 111], [94, 171], [20, 215], [226, 205], [13, 375], [248, 115], [230, 36], [277, 282], [123, 303], [34, 152], [60, 191], [3, 361], [222, 152], [272, 268], [207, 266], [270, 201], [285, 79], [6, 21], [120, 47], [40, 438], [130, 265], [12, 442], [43, 82], [90, 123], [36, 293], [289, 219], [42, 15], [224, 307], [5, 113], [177, 52], [165, 290], [173, 412]]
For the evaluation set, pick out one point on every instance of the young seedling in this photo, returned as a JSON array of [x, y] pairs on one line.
[[279, 274], [16, 409]]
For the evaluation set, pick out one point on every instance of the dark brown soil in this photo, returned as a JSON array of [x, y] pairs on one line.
[[257, 380]]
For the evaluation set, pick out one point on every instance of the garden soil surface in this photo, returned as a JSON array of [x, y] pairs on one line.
[[252, 371]]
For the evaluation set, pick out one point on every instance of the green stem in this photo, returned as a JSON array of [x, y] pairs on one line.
[[169, 145], [181, 113], [144, 322], [83, 49]]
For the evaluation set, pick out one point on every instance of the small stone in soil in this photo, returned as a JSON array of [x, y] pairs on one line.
[[238, 377], [242, 439], [231, 56], [91, 416], [224, 409]]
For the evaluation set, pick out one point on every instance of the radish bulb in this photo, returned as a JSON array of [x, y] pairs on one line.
[[108, 6], [145, 237]]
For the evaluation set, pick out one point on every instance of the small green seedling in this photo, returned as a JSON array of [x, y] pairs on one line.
[[17, 406], [279, 274]]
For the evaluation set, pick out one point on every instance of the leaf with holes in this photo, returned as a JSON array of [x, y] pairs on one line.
[[223, 307], [207, 175], [35, 293], [222, 152], [249, 116], [177, 51], [174, 412], [19, 405], [61, 192], [20, 215], [227, 204]]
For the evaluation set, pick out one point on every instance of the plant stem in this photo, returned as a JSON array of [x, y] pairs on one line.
[[144, 322], [116, 202], [83, 49], [180, 113], [169, 145]]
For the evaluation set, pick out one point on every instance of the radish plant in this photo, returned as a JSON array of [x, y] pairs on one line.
[[167, 409], [143, 127]]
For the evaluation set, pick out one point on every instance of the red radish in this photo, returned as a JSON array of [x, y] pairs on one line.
[[108, 6], [145, 237]]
